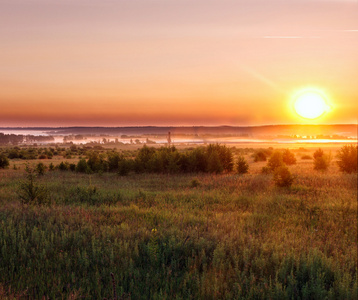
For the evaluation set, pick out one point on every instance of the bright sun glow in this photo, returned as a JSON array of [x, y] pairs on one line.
[[310, 104]]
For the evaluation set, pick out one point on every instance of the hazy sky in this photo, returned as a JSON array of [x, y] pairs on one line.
[[174, 62]]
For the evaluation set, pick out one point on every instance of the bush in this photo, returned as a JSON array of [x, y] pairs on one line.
[[219, 159], [275, 161], [242, 166], [97, 162], [214, 163], [321, 161], [347, 159], [63, 166], [31, 192], [4, 161], [306, 156], [260, 156], [321, 164], [82, 166], [124, 167], [288, 157], [14, 153], [282, 177], [318, 153], [41, 169], [113, 161]]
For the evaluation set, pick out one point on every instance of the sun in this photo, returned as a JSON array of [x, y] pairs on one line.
[[310, 104]]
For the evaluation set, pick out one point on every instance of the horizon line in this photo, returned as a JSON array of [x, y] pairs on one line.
[[174, 126]]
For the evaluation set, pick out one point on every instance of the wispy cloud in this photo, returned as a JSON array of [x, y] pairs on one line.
[[290, 37]]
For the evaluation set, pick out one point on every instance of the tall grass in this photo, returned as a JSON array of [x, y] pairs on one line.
[[230, 237]]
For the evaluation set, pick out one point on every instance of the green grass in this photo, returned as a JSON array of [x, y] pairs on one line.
[[230, 237]]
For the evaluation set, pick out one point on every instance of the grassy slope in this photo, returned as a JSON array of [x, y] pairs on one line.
[[231, 237]]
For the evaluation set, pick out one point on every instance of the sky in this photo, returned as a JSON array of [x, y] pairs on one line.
[[175, 62]]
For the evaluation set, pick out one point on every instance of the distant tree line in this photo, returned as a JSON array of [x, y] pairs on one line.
[[15, 139]]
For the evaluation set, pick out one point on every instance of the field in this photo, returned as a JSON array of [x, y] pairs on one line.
[[181, 236]]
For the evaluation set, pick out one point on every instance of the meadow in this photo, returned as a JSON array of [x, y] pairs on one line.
[[191, 235]]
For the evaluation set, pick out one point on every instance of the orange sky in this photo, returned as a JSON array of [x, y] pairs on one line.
[[174, 62]]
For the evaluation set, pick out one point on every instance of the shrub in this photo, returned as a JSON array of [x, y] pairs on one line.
[[214, 163], [14, 153], [196, 160], [242, 166], [63, 166], [113, 159], [275, 161], [82, 166], [144, 155], [288, 157], [97, 162], [31, 192], [219, 158], [318, 153], [347, 159], [4, 161], [260, 156], [41, 169], [124, 167], [321, 161], [282, 177], [306, 156], [51, 167]]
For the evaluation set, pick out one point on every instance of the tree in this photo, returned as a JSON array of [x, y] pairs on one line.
[[347, 159], [242, 166]]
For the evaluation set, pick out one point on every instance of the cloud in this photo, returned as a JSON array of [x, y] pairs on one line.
[[290, 37]]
